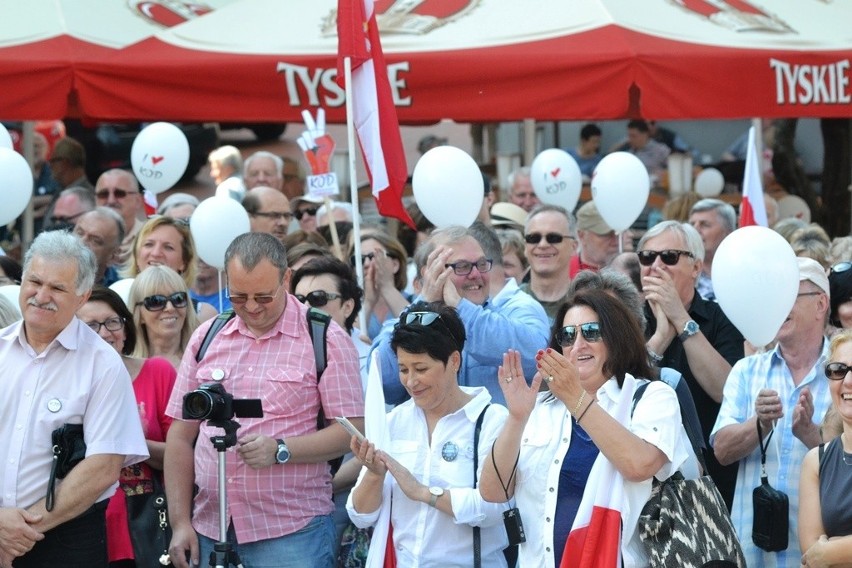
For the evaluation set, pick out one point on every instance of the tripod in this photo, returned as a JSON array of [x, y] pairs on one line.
[[223, 554]]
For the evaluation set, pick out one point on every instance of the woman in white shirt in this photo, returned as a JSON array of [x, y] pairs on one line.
[[425, 477]]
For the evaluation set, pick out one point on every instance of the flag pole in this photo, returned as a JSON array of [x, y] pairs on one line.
[[353, 189]]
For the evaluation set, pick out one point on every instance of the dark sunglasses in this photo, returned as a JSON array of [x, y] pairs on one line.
[[112, 324], [568, 335], [69, 219], [551, 238], [364, 258], [669, 257], [426, 319], [318, 298], [841, 267], [240, 299], [312, 211], [158, 302], [465, 267], [837, 371], [118, 193]]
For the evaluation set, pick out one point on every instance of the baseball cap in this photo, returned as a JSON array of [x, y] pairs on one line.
[[809, 269], [306, 199], [588, 219], [507, 215]]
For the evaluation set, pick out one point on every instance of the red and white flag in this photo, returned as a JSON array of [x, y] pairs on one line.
[[373, 111], [752, 208], [149, 200], [595, 537]]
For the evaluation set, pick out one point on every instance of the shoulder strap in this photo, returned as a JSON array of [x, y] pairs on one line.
[[822, 457], [637, 395], [214, 328], [318, 322], [477, 537]]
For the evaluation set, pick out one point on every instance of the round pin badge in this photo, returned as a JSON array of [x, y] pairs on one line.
[[450, 451], [54, 405], [217, 374]]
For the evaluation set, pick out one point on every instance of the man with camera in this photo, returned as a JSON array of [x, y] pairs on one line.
[[278, 479], [786, 392], [57, 372]]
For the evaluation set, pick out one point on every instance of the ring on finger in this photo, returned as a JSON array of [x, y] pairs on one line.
[[549, 379], [368, 462], [509, 379]]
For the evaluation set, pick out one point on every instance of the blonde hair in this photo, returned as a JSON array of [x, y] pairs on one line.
[[187, 247], [153, 280]]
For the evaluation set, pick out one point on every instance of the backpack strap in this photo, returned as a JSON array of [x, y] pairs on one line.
[[318, 322], [214, 328]]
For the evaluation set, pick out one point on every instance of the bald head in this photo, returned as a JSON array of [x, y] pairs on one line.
[[269, 211]]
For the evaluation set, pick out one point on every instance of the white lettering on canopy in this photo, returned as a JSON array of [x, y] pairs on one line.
[[321, 89], [811, 84]]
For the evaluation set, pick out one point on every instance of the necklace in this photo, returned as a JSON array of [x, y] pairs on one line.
[[843, 453]]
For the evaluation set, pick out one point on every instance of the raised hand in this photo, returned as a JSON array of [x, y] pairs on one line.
[[520, 397], [317, 146]]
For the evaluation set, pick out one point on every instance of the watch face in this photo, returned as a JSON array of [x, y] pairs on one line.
[[691, 327], [283, 454], [436, 491]]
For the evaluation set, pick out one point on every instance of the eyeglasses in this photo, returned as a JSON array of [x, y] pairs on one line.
[[568, 335], [837, 371], [67, 219], [240, 299], [841, 267], [158, 302], [551, 238], [465, 267], [311, 211], [669, 257], [112, 324], [364, 257], [800, 294], [274, 215], [117, 193], [318, 298]]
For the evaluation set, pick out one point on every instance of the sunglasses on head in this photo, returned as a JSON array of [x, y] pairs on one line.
[[117, 193], [317, 298], [669, 257], [158, 302], [551, 238], [425, 319], [311, 211], [568, 335], [837, 371]]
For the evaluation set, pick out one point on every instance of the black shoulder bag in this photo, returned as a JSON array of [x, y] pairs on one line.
[[69, 449], [771, 507]]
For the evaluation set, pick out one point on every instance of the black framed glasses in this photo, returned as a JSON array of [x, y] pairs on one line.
[[364, 258], [841, 267], [118, 193], [158, 302], [317, 298], [568, 335], [240, 299], [669, 257], [465, 267], [69, 219], [551, 238], [310, 211], [837, 371], [112, 324], [276, 215]]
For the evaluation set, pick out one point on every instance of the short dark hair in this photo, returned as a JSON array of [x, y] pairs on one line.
[[620, 331], [639, 125], [114, 301], [438, 341], [342, 273], [252, 248], [589, 130], [489, 241], [11, 268]]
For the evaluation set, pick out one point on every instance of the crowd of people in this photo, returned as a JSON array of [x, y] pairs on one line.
[[509, 352]]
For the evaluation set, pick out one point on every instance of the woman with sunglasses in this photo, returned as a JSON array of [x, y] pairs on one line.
[[424, 479], [552, 439], [153, 379], [825, 483], [162, 314], [164, 241]]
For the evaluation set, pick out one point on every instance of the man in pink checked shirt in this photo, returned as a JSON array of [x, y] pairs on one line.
[[277, 476]]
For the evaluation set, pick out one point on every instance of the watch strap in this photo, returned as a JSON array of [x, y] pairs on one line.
[[433, 500]]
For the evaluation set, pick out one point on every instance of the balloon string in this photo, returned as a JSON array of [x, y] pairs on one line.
[[620, 242]]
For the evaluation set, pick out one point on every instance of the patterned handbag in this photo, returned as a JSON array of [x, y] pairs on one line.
[[685, 523]]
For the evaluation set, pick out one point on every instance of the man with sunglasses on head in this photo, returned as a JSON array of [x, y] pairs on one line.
[[685, 331], [786, 391], [551, 238], [279, 490], [454, 268], [119, 190]]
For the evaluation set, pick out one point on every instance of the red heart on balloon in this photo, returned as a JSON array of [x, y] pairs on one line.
[[555, 172], [157, 159]]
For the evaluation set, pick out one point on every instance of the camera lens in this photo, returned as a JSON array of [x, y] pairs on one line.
[[197, 405]]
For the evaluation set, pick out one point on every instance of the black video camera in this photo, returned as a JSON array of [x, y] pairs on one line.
[[211, 401]]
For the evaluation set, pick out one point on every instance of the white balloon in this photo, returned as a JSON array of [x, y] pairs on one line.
[[709, 183], [556, 178], [122, 288], [5, 138], [448, 186], [159, 155], [214, 225], [16, 185], [12, 292], [755, 279], [620, 187]]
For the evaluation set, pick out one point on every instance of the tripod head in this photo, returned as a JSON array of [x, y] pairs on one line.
[[229, 439]]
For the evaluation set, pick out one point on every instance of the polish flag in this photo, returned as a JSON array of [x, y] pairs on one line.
[[149, 200], [752, 208], [373, 111], [595, 537]]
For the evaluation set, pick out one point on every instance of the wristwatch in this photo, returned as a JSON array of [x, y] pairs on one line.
[[283, 454], [690, 329], [436, 492]]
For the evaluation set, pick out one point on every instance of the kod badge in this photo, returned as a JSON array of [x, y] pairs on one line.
[[54, 405], [450, 451]]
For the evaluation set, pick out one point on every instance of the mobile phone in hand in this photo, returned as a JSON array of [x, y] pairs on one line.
[[350, 428]]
